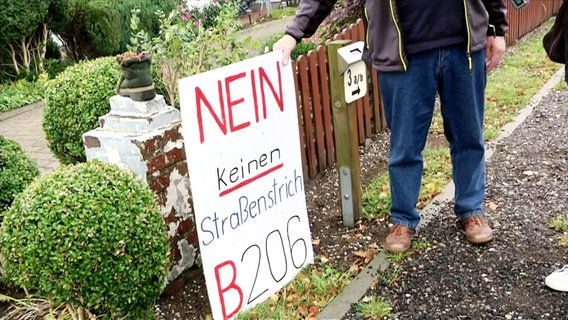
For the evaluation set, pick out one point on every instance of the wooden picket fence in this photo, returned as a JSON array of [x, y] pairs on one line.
[[523, 21], [313, 94]]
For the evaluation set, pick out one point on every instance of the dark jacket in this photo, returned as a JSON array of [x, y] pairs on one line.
[[384, 39]]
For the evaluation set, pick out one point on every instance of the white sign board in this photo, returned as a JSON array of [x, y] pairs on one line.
[[355, 81], [354, 71], [240, 128]]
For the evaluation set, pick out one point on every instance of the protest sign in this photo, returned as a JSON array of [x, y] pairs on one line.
[[240, 128]]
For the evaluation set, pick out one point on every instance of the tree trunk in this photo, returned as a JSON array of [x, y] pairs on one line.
[[14, 61], [25, 54], [43, 48]]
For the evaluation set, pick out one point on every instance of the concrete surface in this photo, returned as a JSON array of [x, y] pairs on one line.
[[24, 125]]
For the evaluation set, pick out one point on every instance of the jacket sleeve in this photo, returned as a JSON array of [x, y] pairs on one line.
[[497, 11], [309, 16]]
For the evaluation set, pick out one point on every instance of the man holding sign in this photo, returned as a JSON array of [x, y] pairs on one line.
[[423, 49]]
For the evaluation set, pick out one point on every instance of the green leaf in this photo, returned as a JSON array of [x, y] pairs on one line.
[[70, 237]]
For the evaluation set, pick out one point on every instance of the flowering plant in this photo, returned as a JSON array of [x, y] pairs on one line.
[[190, 41]]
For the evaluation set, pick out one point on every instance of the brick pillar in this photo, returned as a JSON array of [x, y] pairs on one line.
[[146, 137]]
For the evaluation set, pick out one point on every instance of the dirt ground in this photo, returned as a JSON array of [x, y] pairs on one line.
[[330, 238], [527, 187]]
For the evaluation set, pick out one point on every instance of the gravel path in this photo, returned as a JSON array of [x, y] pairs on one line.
[[527, 187]]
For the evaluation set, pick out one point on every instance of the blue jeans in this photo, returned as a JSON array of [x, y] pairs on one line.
[[408, 99]]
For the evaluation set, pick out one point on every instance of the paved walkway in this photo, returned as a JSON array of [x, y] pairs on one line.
[[265, 30], [24, 125]]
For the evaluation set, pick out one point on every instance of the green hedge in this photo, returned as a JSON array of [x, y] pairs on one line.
[[88, 235], [17, 170], [20, 93], [301, 49], [75, 100], [100, 28]]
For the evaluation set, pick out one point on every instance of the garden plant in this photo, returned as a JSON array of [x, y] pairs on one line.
[[69, 239], [17, 171], [83, 91], [190, 41]]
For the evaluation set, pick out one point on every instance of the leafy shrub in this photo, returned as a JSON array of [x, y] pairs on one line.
[[7, 73], [17, 170], [345, 13], [20, 93], [99, 28], [53, 67], [148, 19], [75, 100], [88, 235], [189, 43], [302, 48], [22, 36], [206, 15], [92, 30], [52, 50]]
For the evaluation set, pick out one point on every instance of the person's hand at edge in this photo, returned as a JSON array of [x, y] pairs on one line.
[[287, 43], [494, 52]]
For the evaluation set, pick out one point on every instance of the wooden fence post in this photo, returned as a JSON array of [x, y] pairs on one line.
[[346, 140]]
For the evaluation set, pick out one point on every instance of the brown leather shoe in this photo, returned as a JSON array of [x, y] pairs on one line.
[[477, 231], [399, 238]]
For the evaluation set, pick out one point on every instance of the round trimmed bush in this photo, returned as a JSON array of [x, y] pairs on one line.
[[88, 235], [17, 170], [75, 100]]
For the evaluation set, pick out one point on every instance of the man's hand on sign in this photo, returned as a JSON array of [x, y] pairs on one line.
[[287, 43]]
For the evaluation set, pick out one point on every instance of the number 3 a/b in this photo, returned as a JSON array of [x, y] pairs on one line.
[[353, 79], [276, 250]]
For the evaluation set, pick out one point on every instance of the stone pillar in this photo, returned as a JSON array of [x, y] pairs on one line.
[[146, 138]]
